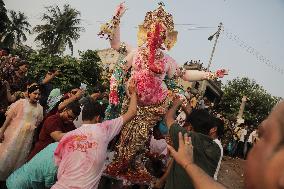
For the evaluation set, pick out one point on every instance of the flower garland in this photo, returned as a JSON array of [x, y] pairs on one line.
[[117, 88]]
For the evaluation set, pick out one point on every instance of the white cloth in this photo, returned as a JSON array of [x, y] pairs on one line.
[[78, 122], [220, 160], [252, 136], [243, 134], [81, 154], [158, 146], [181, 118]]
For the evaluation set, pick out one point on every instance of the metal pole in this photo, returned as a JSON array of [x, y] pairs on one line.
[[203, 84], [215, 43]]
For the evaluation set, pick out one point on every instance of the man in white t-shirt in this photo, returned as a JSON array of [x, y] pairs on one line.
[[215, 133], [81, 154], [250, 141], [243, 134], [241, 143]]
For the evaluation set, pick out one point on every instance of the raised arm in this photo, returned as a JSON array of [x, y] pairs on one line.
[[132, 109], [115, 40], [112, 30], [73, 98], [10, 97], [197, 75], [171, 113], [50, 76]]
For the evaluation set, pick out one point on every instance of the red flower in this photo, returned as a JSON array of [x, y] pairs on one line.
[[113, 97]]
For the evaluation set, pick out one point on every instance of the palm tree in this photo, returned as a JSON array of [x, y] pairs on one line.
[[16, 29], [61, 29], [3, 17]]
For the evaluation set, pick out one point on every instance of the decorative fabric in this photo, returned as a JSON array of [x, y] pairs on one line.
[[129, 162], [117, 87]]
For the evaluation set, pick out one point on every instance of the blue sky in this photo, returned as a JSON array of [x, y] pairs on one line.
[[258, 23]]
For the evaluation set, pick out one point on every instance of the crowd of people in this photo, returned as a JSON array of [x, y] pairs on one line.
[[41, 147], [164, 137]]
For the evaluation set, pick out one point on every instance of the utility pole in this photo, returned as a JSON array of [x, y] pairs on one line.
[[216, 35]]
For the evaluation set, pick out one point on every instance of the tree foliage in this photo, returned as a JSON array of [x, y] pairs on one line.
[[3, 17], [73, 71], [61, 29], [259, 103], [16, 29]]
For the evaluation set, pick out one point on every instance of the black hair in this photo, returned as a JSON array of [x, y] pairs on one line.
[[6, 49], [156, 131], [22, 62], [220, 126], [93, 108], [201, 121], [35, 87], [74, 107]]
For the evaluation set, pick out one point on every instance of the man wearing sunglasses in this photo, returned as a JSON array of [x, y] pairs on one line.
[[56, 126]]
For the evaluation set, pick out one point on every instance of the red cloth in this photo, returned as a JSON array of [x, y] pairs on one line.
[[51, 124]]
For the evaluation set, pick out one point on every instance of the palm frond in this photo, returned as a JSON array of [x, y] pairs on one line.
[[61, 28]]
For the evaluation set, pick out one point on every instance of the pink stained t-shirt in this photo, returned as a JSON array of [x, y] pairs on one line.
[[81, 154]]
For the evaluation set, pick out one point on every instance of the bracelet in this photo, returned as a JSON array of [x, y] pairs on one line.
[[115, 21], [108, 28], [122, 48]]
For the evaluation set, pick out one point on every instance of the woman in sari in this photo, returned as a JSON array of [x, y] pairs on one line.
[[16, 134]]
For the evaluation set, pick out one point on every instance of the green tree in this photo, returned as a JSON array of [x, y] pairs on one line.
[[73, 71], [16, 29], [61, 29], [3, 18], [23, 51], [41, 63], [259, 103], [90, 68]]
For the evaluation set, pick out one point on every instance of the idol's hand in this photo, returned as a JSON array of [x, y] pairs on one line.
[[132, 87], [120, 10]]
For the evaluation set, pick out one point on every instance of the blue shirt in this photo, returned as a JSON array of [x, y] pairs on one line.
[[39, 173]]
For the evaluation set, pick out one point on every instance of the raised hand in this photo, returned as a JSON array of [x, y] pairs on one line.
[[79, 93], [120, 10], [184, 155], [178, 100], [221, 73], [57, 73]]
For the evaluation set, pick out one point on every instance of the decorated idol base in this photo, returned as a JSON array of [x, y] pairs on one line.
[[121, 171]]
